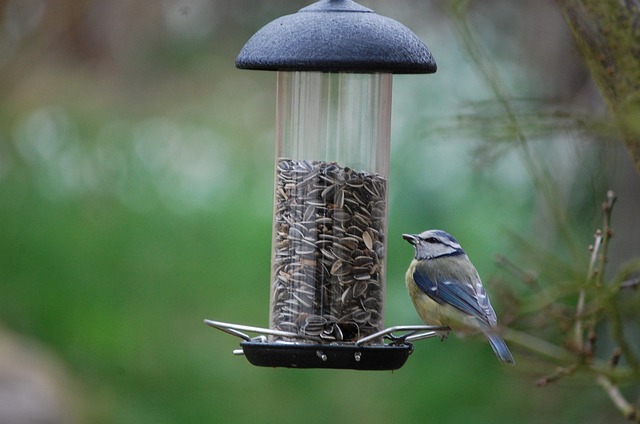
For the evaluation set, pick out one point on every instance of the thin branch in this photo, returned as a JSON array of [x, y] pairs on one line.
[[537, 345], [628, 277], [597, 265], [557, 375], [526, 277], [611, 306], [579, 316], [628, 410], [617, 333], [607, 208], [632, 283]]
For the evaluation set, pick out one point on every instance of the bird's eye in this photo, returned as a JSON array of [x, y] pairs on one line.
[[432, 240]]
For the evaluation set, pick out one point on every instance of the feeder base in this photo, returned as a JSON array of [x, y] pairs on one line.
[[301, 355]]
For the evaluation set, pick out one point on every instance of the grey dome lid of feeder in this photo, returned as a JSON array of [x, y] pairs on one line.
[[336, 36]]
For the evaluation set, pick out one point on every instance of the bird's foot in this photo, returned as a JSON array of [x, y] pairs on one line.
[[397, 340], [444, 336]]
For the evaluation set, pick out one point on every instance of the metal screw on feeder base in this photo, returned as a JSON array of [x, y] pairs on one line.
[[334, 61]]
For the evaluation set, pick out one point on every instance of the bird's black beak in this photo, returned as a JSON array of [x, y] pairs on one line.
[[410, 238]]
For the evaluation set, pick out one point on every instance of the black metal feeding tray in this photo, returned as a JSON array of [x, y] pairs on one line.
[[335, 60], [361, 355], [369, 358]]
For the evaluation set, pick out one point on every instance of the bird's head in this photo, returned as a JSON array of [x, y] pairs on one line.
[[433, 244]]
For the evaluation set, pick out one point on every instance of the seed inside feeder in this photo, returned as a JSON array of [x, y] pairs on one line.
[[327, 276]]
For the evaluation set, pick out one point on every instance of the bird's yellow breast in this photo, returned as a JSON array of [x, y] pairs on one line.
[[430, 311]]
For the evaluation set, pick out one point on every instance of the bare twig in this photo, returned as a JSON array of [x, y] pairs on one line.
[[611, 306], [617, 332], [632, 283], [526, 277], [628, 410], [557, 375], [615, 358], [579, 316], [597, 264], [607, 234], [537, 345]]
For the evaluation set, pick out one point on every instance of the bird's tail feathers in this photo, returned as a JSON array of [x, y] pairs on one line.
[[500, 348]]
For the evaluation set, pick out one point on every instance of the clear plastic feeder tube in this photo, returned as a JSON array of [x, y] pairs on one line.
[[330, 205]]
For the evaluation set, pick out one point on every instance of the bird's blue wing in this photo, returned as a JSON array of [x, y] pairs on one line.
[[462, 296]]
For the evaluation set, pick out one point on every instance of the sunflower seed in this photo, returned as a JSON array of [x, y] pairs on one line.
[[367, 237]]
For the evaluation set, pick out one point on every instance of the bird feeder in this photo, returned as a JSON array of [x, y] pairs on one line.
[[334, 61]]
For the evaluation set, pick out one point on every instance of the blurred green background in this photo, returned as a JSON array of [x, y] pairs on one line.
[[136, 169]]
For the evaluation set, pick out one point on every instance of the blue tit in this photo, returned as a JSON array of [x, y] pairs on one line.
[[446, 289]]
